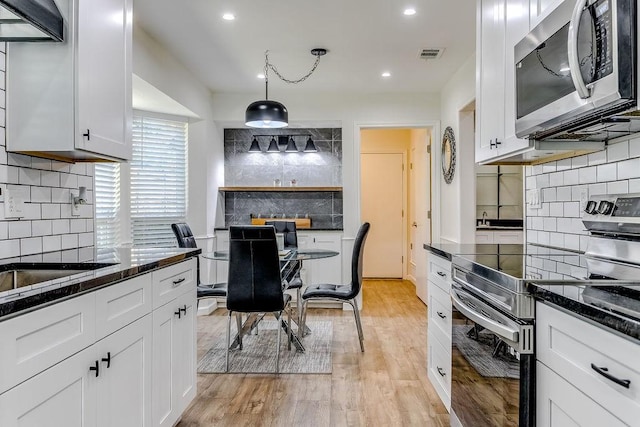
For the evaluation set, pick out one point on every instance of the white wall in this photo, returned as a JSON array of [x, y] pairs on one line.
[[339, 110], [155, 65], [457, 200]]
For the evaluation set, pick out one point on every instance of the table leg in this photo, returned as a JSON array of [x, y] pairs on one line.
[[252, 322]]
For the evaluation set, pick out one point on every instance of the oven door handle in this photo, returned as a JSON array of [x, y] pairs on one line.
[[572, 51], [509, 334]]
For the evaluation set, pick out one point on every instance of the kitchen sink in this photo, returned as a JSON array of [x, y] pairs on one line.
[[26, 274]]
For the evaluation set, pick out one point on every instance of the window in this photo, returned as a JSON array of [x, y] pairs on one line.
[[158, 180], [107, 200]]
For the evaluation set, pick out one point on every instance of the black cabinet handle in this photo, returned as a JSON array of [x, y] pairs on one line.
[[176, 282], [183, 309], [605, 373], [494, 144], [107, 359], [87, 135], [441, 371], [178, 313], [441, 315], [441, 274], [96, 368]]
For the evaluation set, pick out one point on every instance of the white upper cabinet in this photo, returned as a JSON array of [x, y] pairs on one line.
[[500, 25], [539, 9], [72, 100]]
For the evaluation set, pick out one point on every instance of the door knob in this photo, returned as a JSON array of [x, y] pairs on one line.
[[415, 224]]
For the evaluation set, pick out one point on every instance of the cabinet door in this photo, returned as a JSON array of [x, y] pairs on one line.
[[491, 69], [539, 9], [174, 359], [517, 27], [104, 77], [484, 237], [63, 395], [559, 404], [124, 386], [326, 270]]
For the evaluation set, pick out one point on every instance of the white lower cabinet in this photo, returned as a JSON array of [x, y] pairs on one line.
[[137, 370], [439, 327], [499, 237], [106, 384], [174, 359], [582, 373], [326, 270]]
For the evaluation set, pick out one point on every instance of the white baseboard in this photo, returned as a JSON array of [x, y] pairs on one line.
[[207, 306]]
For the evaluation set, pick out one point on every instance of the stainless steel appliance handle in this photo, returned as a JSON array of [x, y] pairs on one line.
[[499, 329], [572, 51]]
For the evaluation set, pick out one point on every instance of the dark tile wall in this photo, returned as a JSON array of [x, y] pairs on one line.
[[323, 168]]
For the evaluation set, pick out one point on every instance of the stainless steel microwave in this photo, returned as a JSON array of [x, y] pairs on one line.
[[575, 73]]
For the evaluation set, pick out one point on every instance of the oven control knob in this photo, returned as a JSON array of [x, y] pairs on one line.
[[591, 207], [605, 207]]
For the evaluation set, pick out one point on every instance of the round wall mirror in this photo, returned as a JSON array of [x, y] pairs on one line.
[[448, 155]]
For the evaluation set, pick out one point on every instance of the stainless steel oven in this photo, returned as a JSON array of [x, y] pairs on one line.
[[492, 370], [576, 69]]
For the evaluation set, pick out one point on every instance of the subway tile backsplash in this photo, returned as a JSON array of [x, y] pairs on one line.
[[563, 183], [47, 224]]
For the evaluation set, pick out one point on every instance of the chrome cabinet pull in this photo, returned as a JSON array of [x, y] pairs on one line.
[[605, 373]]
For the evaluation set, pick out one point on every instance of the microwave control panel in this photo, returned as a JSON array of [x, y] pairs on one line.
[[600, 12]]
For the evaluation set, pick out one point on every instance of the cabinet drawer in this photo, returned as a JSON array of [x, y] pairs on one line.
[[120, 304], [34, 341], [440, 310], [170, 282], [440, 272], [570, 346], [439, 366]]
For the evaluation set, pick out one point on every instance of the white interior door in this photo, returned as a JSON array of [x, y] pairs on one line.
[[420, 229], [382, 206]]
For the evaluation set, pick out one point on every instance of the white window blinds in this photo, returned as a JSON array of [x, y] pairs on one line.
[[158, 180], [107, 201]]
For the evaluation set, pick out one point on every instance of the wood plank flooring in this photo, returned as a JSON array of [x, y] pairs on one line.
[[387, 385]]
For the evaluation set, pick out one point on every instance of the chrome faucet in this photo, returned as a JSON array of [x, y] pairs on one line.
[[484, 218]]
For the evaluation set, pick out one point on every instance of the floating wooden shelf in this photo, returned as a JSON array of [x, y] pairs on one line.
[[281, 189]]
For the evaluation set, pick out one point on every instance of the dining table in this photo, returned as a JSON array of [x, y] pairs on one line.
[[290, 264]]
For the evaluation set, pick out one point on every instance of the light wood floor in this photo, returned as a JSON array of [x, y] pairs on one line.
[[387, 385]]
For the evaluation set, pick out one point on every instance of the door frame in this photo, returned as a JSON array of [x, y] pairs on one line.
[[435, 178]]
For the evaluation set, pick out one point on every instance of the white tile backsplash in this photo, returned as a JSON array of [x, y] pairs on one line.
[[47, 224], [558, 222]]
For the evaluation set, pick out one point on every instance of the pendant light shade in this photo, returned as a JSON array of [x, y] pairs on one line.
[[291, 146], [310, 147], [273, 146], [266, 114], [255, 147]]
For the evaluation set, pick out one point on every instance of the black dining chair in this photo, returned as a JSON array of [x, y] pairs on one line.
[[186, 239], [254, 281], [342, 293], [290, 237]]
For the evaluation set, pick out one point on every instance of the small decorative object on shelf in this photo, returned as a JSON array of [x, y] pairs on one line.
[[277, 183], [293, 183]]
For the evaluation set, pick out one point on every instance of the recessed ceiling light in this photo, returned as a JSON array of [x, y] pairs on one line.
[[228, 16], [261, 76], [386, 74], [409, 11]]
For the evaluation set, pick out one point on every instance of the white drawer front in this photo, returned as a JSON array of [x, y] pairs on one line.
[[121, 304], [170, 282], [569, 346], [439, 366], [34, 341], [440, 272], [440, 310]]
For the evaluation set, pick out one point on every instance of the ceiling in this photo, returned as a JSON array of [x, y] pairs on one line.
[[363, 37]]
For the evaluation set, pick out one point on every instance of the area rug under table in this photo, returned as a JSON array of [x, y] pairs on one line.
[[258, 354]]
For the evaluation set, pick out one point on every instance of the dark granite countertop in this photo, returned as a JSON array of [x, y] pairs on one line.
[[448, 250], [614, 307], [127, 262]]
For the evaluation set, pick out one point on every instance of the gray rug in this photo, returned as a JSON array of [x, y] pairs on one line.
[[258, 354], [478, 354]]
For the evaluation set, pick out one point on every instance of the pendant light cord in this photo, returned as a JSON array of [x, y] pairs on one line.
[[273, 68]]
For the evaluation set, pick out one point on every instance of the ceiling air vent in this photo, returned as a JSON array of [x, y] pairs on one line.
[[431, 53]]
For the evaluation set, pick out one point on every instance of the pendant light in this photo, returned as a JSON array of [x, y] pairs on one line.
[[255, 147], [291, 146], [273, 146], [310, 147], [273, 114]]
